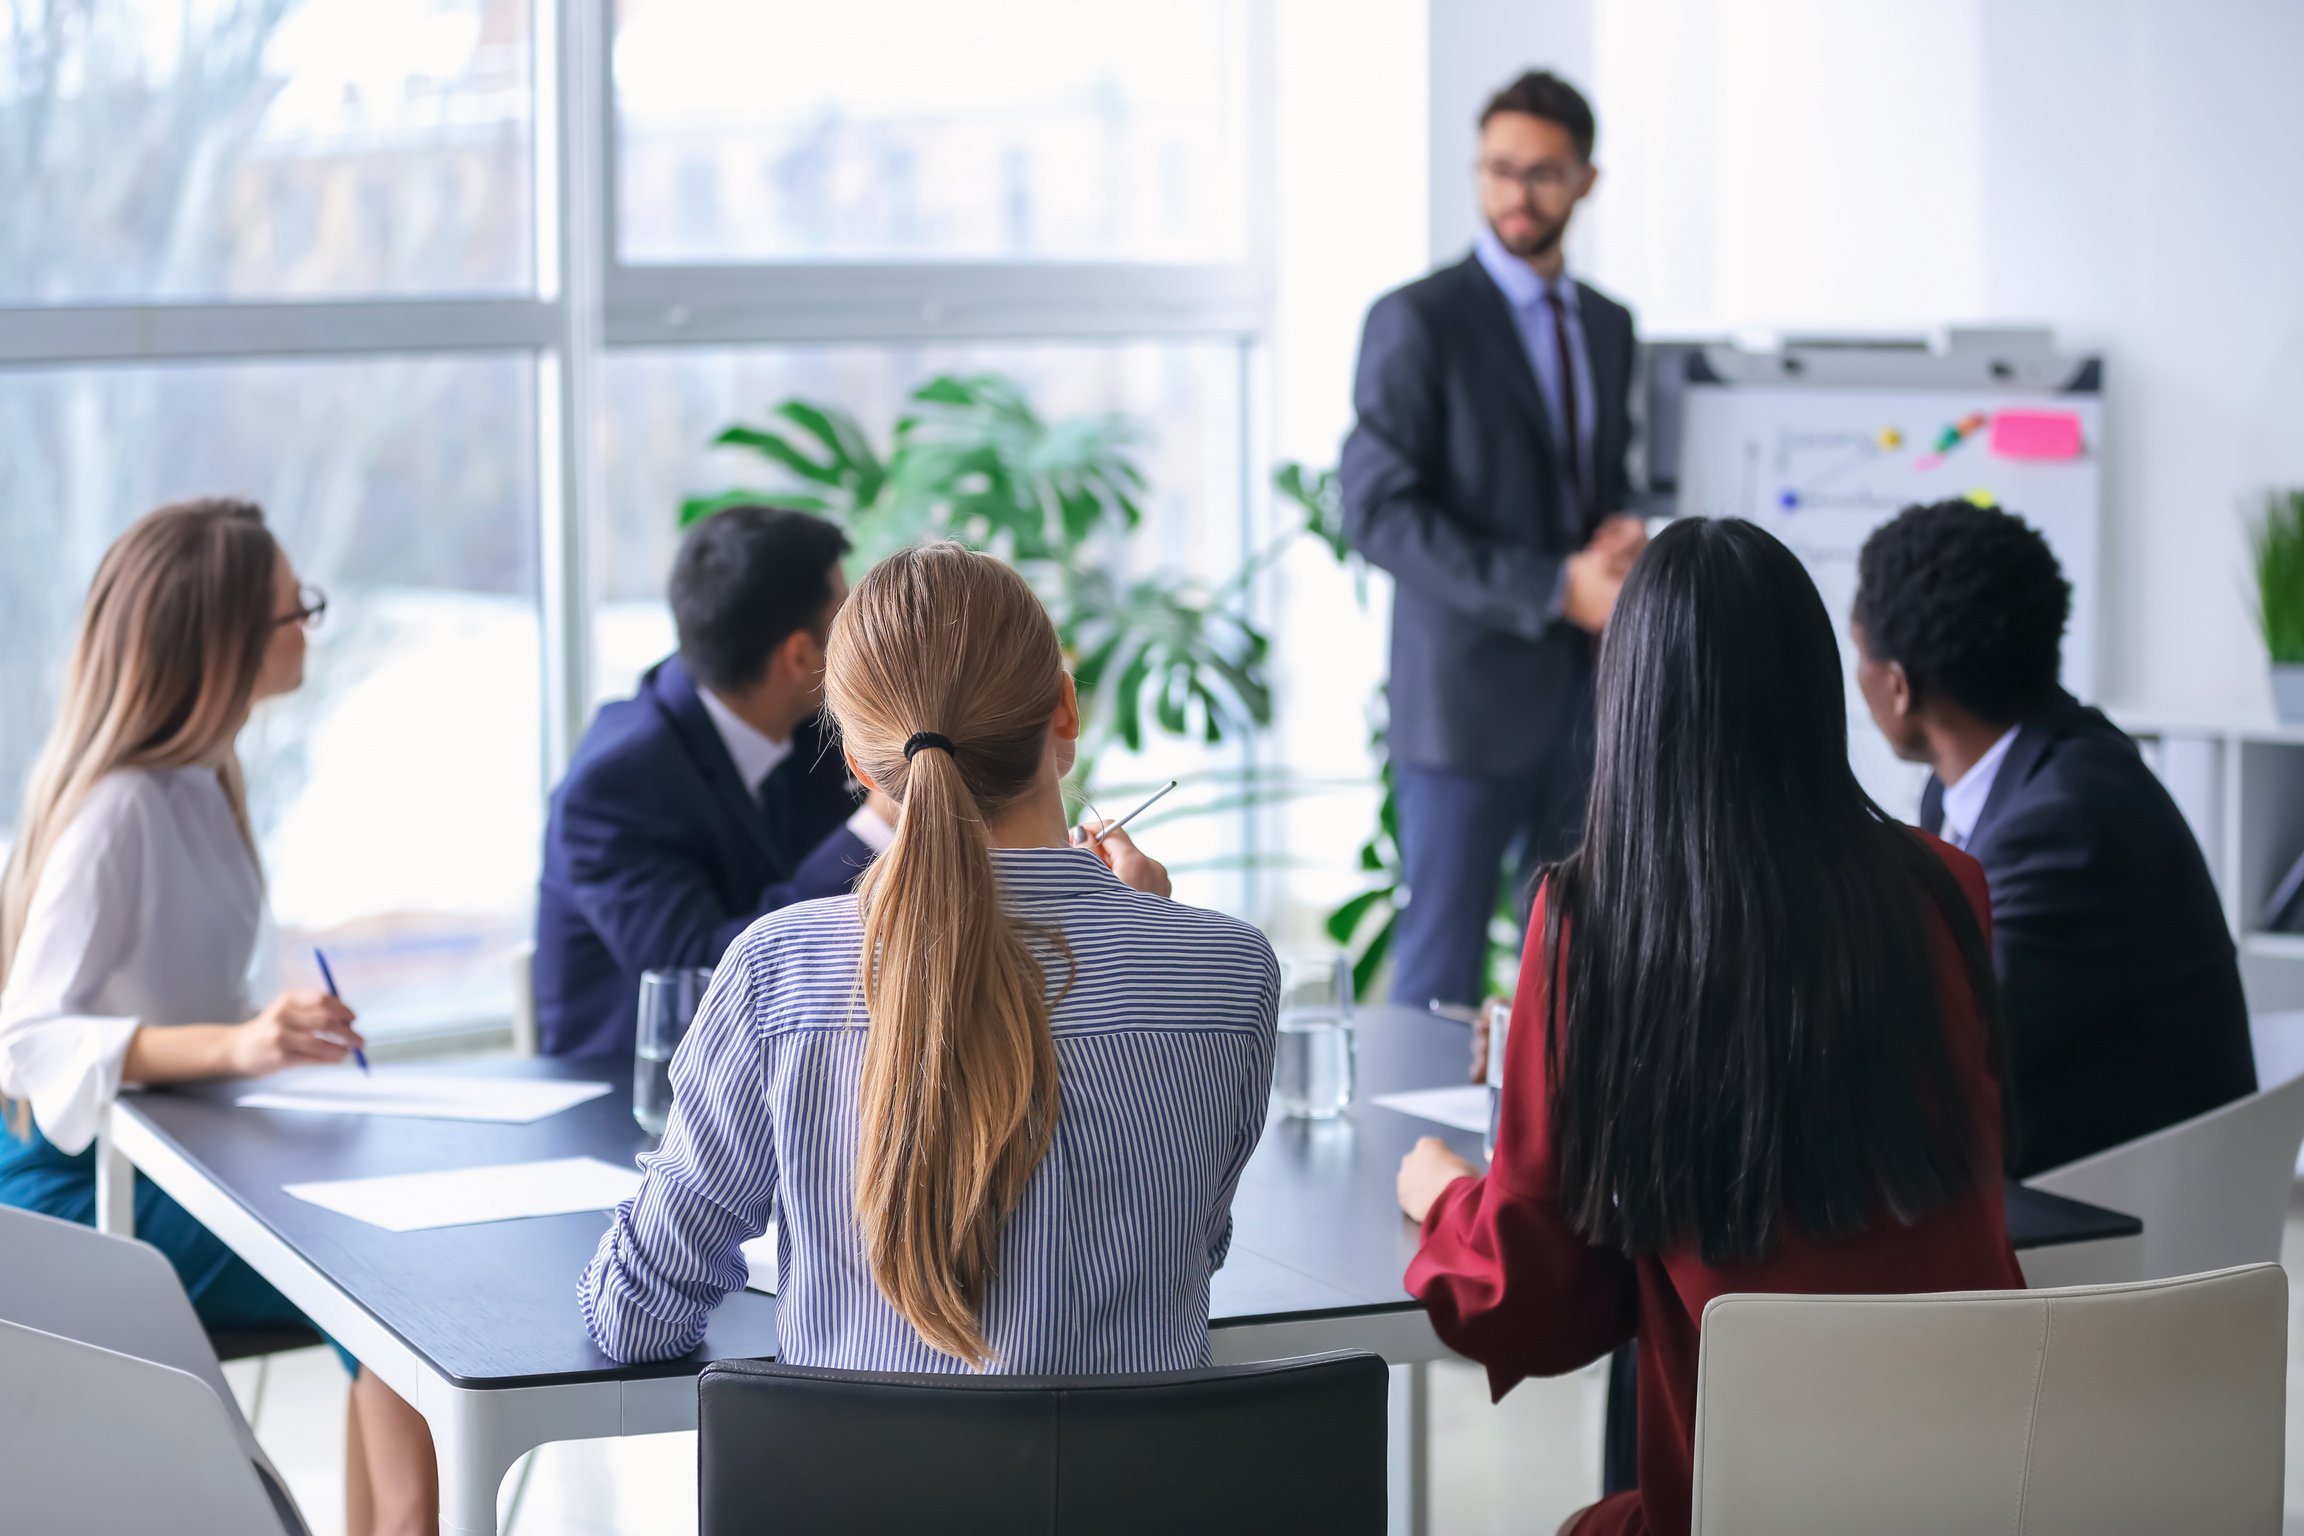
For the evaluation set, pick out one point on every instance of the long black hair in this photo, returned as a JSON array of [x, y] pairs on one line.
[[1746, 1033]]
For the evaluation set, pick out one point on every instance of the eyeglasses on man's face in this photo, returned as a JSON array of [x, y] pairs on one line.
[[1546, 178], [311, 607]]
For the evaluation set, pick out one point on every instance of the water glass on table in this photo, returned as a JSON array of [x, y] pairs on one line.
[[1312, 1068], [668, 1002]]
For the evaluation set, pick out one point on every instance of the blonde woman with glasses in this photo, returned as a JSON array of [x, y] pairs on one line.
[[129, 910], [1002, 1095]]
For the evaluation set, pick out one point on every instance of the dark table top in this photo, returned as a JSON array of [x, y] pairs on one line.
[[1317, 1231]]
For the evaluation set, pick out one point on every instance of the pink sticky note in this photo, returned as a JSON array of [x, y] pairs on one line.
[[2036, 434]]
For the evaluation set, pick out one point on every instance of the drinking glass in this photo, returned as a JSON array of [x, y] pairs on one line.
[[1312, 1067], [668, 1002], [1499, 1025]]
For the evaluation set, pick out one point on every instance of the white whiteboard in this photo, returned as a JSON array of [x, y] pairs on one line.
[[1746, 450]]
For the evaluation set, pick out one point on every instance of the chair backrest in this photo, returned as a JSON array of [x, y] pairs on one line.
[[116, 1294], [1291, 1445], [2211, 1191], [95, 1440], [2117, 1410]]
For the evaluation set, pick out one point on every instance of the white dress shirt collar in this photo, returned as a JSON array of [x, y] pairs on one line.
[[1965, 798], [755, 753]]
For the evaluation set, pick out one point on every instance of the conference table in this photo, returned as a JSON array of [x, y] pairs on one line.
[[477, 1325]]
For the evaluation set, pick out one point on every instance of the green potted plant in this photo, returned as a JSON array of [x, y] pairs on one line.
[[2276, 546]]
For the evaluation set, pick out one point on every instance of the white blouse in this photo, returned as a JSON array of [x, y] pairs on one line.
[[147, 912]]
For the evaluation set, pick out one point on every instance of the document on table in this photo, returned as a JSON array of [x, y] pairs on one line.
[[458, 1197], [1464, 1108], [419, 1095]]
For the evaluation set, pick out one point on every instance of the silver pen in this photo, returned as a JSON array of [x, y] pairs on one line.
[[1099, 837]]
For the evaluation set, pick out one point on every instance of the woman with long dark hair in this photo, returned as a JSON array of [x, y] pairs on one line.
[[1753, 1047]]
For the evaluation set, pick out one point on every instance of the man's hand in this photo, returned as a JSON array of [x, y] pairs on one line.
[[1622, 534], [1596, 573], [1594, 579]]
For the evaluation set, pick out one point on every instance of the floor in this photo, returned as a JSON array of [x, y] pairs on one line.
[[1502, 1470]]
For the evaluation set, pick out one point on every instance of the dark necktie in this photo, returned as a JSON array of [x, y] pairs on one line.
[[1568, 414]]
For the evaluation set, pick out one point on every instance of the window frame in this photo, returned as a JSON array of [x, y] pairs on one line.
[[587, 301]]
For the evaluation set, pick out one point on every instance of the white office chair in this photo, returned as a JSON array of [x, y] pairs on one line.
[[93, 1441], [2212, 1191], [119, 1296], [2112, 1410], [524, 1000]]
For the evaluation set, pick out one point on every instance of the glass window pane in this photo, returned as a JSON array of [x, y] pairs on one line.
[[396, 794], [200, 149], [897, 130], [662, 410]]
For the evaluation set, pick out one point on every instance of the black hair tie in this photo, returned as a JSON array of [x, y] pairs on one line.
[[922, 740]]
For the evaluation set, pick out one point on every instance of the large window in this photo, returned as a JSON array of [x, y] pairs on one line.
[[460, 290], [909, 130], [394, 795], [224, 148]]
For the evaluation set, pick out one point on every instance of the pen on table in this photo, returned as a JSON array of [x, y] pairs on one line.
[[329, 977], [1099, 837], [1454, 1011]]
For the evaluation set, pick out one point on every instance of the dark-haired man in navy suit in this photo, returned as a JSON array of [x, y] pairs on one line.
[[710, 796], [2119, 987]]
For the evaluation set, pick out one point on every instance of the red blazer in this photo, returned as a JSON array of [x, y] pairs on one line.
[[1510, 1285]]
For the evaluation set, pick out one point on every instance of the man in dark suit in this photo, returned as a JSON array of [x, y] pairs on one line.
[[1486, 472], [710, 796], [2119, 985]]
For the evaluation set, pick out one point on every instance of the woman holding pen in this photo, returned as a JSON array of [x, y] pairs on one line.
[[129, 909], [1001, 1096]]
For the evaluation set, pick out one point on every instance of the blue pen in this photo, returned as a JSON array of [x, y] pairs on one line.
[[329, 977]]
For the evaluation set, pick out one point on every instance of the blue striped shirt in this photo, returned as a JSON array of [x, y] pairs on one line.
[[1163, 1039]]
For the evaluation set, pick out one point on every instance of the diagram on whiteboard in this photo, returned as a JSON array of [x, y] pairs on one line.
[[1820, 468]]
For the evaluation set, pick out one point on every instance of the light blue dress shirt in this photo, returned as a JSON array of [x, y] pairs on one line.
[[1526, 293]]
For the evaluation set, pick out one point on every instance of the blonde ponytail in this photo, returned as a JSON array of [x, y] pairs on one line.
[[958, 1100]]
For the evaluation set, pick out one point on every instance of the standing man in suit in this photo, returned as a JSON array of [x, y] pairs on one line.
[[2119, 985], [711, 795], [1486, 472]]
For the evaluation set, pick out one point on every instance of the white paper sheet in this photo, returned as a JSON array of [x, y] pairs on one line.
[[457, 1197], [421, 1095], [760, 1262], [1464, 1108]]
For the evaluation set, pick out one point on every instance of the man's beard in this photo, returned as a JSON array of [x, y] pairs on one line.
[[1533, 247]]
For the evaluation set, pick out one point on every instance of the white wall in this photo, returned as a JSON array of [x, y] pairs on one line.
[[2124, 171], [2144, 191], [1349, 224]]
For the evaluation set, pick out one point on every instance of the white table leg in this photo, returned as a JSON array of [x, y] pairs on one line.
[[1409, 1429], [115, 1187], [479, 1435]]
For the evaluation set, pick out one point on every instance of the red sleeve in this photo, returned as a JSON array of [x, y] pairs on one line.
[[1505, 1280]]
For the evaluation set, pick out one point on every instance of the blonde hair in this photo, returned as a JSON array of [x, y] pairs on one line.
[[163, 670], [959, 1096]]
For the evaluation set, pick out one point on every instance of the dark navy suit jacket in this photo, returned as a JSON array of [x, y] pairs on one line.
[[2118, 980], [655, 856], [1450, 482]]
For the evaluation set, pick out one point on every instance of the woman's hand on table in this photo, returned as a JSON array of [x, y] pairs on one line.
[[295, 1029], [1430, 1167]]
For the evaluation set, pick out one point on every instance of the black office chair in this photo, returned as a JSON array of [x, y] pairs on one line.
[[1289, 1445]]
